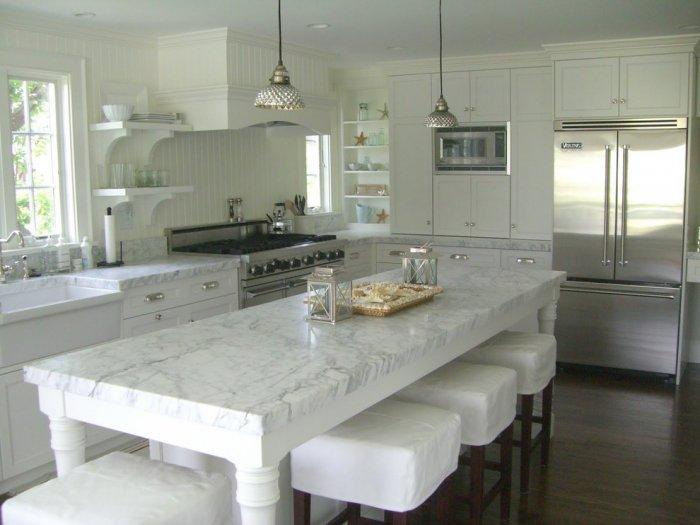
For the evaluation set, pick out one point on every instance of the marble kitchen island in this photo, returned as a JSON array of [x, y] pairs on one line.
[[251, 385]]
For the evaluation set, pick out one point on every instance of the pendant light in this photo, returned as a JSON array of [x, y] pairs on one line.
[[280, 94], [441, 117]]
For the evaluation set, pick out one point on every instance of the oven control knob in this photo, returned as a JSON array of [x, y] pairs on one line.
[[307, 259], [338, 254], [276, 264], [256, 269], [319, 256], [295, 262], [331, 255], [284, 264], [269, 267]]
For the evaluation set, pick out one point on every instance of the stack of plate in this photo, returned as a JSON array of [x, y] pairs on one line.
[[164, 118]]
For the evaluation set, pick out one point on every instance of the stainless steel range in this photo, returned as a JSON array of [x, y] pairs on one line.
[[273, 265]]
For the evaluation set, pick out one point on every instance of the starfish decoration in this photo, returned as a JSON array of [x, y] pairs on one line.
[[360, 139], [384, 113], [382, 217]]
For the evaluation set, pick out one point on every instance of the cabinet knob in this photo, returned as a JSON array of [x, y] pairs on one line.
[[622, 100], [159, 317], [472, 224], [513, 226], [472, 108], [466, 224], [614, 101], [427, 222], [466, 108]]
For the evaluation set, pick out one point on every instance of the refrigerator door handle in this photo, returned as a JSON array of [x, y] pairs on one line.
[[652, 295], [606, 208], [623, 219]]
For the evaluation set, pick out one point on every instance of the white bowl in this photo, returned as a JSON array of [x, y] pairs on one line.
[[118, 112]]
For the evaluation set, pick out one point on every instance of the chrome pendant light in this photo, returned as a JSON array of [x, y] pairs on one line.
[[441, 117], [280, 94]]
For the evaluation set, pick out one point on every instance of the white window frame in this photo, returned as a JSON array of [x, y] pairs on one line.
[[68, 72], [324, 145]]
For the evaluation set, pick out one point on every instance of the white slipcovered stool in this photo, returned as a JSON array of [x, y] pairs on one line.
[[485, 399], [534, 358], [124, 489], [393, 456]]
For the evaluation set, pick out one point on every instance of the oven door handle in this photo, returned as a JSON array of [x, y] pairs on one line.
[[297, 282], [253, 295]]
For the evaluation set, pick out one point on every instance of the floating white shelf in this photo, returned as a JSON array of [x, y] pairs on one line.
[[370, 172], [366, 196], [367, 147], [376, 121], [149, 197], [145, 126]]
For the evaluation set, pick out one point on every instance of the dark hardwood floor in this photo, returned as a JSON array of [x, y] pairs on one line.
[[625, 451]]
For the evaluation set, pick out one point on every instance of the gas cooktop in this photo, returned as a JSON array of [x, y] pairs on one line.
[[253, 243]]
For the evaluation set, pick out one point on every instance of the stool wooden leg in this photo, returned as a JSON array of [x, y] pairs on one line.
[[477, 463], [506, 471], [354, 513], [395, 518], [547, 396], [302, 508], [443, 512], [526, 406]]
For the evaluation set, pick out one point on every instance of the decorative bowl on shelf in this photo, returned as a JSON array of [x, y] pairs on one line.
[[118, 112]]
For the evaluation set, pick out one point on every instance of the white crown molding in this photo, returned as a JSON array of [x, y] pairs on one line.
[[229, 36], [356, 79], [466, 63], [624, 47], [39, 24]]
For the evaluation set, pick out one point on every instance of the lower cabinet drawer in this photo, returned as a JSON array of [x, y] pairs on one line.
[[392, 253], [526, 259], [693, 271], [482, 257]]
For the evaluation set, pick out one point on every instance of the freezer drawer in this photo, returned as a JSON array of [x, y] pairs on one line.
[[618, 326]]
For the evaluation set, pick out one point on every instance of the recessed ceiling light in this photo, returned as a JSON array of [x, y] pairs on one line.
[[689, 27], [319, 25], [85, 14], [395, 48]]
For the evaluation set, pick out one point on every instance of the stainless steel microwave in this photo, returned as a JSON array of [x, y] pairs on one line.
[[478, 149]]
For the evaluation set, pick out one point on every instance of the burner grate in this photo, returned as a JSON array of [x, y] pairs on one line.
[[256, 243]]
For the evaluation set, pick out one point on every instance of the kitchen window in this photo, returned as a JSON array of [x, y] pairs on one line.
[[44, 174], [317, 173]]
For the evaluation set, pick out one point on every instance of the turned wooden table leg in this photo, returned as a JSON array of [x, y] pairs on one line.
[[257, 494], [67, 443]]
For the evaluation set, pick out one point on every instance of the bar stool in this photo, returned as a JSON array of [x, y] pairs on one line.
[[485, 399], [534, 357], [393, 456], [120, 489]]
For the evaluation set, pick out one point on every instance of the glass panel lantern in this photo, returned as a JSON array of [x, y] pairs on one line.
[[420, 266], [329, 297]]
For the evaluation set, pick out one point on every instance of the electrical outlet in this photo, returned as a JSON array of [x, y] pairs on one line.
[[124, 216]]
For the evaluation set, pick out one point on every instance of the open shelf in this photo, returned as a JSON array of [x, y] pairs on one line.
[[367, 147], [145, 126], [376, 121], [369, 172], [352, 196], [149, 197]]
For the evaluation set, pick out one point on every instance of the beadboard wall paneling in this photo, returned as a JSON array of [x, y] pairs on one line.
[[218, 164]]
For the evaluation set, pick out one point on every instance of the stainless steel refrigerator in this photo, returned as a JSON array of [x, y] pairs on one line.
[[619, 194]]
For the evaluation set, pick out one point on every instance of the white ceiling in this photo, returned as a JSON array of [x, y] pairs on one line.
[[361, 30]]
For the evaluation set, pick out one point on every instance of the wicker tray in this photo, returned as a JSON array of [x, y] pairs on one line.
[[420, 294]]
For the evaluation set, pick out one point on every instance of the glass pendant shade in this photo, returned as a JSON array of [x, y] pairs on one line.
[[441, 117], [280, 94]]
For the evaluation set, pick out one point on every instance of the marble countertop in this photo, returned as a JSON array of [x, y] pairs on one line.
[[240, 372], [365, 237]]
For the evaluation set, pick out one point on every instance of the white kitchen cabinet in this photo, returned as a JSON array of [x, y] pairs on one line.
[[476, 96], [359, 261], [531, 94], [532, 166], [481, 257], [212, 307], [411, 178], [586, 87], [490, 206], [654, 85], [409, 97], [490, 95], [455, 88], [451, 204]]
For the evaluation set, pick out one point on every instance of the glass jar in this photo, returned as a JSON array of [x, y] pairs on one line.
[[363, 112]]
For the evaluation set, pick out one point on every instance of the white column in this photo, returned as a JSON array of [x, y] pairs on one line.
[[68, 443], [257, 494], [547, 316]]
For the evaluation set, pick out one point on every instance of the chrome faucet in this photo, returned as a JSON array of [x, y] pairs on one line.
[[4, 269]]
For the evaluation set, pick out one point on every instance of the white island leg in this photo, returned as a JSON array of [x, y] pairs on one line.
[[257, 494], [547, 316], [68, 443]]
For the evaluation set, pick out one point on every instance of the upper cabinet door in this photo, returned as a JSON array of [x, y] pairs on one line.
[[455, 88], [490, 95], [410, 97], [586, 88], [451, 203], [490, 206], [531, 94], [654, 85], [411, 178]]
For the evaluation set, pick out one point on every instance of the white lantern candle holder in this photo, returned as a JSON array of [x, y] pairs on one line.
[[329, 297], [420, 266]]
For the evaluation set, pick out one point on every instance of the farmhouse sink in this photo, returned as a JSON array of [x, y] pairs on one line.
[[40, 321]]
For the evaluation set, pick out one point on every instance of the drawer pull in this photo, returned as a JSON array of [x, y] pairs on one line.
[[354, 255], [525, 260], [397, 253], [459, 257], [152, 297], [159, 317], [211, 285]]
